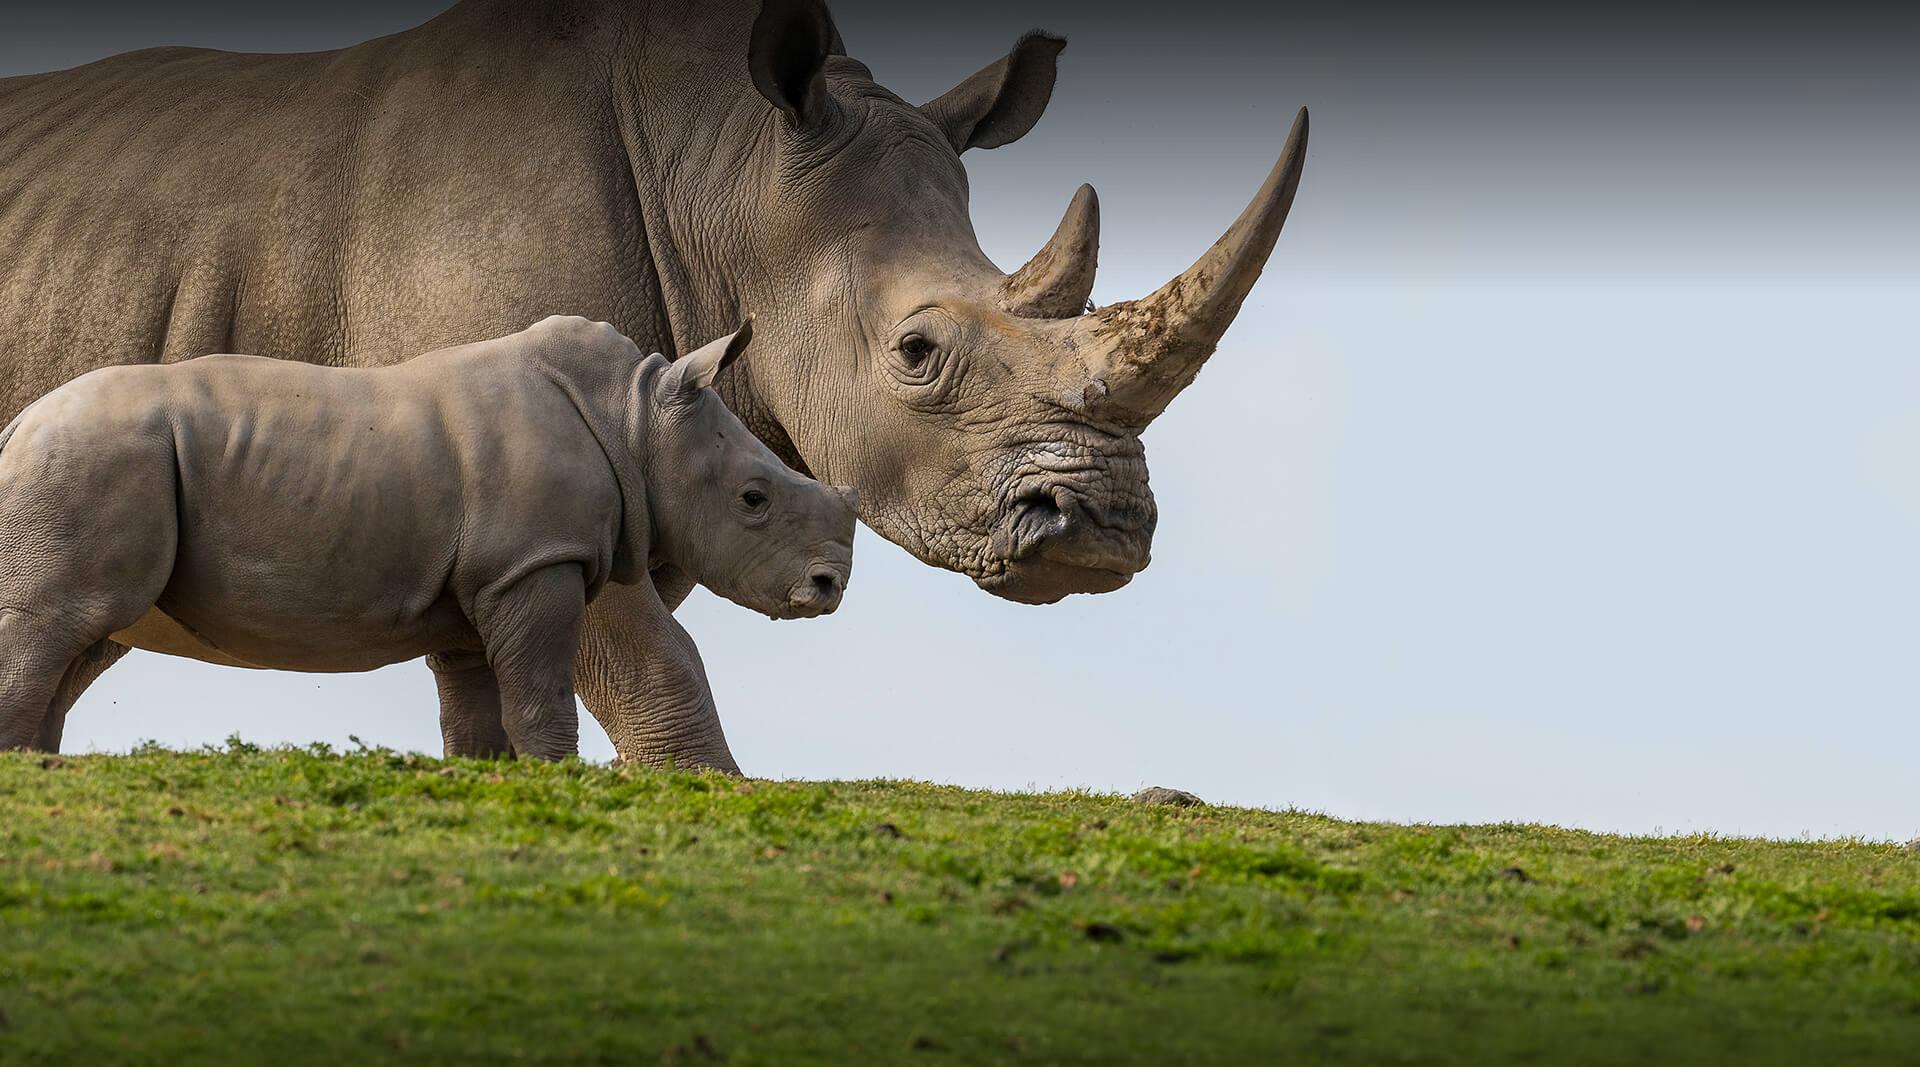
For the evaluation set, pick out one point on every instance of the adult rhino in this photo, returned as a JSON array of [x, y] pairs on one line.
[[667, 166]]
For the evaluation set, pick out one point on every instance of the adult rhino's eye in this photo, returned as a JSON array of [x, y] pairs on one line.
[[754, 499], [916, 349]]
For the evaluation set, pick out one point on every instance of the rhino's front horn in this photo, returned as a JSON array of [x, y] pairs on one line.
[[1145, 351], [1056, 282]]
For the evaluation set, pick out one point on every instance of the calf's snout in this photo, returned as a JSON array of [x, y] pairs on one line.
[[819, 592]]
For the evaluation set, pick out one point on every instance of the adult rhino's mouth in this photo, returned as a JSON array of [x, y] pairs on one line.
[[1043, 581], [1068, 530], [1062, 519]]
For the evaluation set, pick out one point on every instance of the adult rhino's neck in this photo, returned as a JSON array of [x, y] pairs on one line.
[[699, 141]]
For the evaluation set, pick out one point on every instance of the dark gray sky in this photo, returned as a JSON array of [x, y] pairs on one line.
[[1564, 467], [1484, 136]]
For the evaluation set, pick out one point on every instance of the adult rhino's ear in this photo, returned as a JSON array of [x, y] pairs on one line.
[[697, 369], [788, 53], [1001, 103]]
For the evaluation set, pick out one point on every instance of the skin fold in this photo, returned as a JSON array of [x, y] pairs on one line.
[[468, 505], [665, 166]]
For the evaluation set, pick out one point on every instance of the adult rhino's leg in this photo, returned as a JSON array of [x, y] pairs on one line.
[[470, 723], [640, 675], [81, 673]]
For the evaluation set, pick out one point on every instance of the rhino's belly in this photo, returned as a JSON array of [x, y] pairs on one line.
[[318, 646]]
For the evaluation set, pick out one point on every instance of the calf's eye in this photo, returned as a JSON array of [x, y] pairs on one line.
[[754, 499]]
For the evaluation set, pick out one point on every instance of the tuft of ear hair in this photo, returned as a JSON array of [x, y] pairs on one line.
[[697, 369]]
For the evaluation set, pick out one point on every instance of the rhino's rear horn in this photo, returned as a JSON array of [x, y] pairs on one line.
[[1146, 351], [1057, 281]]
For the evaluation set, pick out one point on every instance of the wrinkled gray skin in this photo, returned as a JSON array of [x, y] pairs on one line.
[[665, 165], [468, 505]]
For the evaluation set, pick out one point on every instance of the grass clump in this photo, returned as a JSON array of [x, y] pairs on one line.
[[319, 907]]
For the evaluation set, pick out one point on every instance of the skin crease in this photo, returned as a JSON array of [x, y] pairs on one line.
[[468, 505], [667, 166]]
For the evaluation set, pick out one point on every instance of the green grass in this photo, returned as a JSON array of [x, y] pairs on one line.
[[311, 907]]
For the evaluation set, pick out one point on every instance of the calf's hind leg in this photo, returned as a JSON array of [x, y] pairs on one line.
[[81, 673], [34, 655], [90, 530], [532, 630]]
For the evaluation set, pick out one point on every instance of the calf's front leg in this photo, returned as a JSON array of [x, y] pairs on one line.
[[532, 632]]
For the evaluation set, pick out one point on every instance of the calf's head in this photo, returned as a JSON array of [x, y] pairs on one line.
[[991, 420], [728, 512]]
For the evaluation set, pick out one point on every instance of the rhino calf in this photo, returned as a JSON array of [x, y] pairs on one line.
[[472, 502]]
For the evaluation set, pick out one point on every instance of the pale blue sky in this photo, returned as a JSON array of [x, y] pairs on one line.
[[1562, 468]]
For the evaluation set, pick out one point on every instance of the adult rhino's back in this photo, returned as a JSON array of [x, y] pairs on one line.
[[128, 193], [357, 206]]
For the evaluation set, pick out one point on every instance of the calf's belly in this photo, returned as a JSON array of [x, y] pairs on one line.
[[181, 627], [158, 632]]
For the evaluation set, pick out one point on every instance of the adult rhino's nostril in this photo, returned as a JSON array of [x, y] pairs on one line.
[[1044, 514], [826, 585]]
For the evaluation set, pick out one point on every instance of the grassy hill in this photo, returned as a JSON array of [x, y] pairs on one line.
[[311, 907]]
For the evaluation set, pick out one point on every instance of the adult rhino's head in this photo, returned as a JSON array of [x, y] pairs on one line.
[[990, 420]]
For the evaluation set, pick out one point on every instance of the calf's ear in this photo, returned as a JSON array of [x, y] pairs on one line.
[[1002, 102], [788, 53], [697, 369]]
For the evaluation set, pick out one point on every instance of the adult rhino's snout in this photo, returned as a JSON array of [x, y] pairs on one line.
[[1062, 536]]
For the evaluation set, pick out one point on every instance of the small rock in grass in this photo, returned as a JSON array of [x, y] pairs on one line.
[[887, 829], [1914, 845], [52, 763], [923, 1043], [1515, 874], [1159, 794]]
